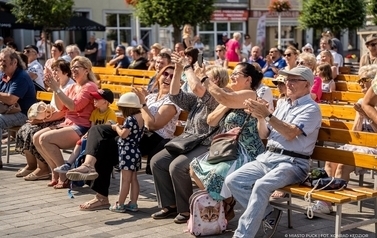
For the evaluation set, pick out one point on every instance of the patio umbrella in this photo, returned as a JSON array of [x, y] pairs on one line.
[[8, 20]]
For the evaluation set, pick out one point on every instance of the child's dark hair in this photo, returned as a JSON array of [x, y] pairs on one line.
[[249, 70], [325, 71], [193, 52], [128, 111]]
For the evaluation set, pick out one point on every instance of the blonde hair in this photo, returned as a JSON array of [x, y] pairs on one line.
[[236, 35], [293, 49], [219, 72], [186, 33], [87, 64], [328, 53], [368, 71], [309, 59], [74, 48]]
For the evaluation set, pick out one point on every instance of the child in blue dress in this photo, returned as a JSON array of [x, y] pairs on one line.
[[130, 134]]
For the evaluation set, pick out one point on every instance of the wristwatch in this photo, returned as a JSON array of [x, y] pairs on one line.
[[268, 118], [58, 91]]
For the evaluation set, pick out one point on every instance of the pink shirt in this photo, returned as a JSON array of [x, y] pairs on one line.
[[317, 88], [231, 47], [84, 104]]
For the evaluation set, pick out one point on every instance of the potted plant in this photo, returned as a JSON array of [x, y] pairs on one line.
[[131, 2], [279, 6], [350, 58]]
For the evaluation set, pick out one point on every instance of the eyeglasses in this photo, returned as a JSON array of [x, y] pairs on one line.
[[306, 49], [70, 53], [293, 80], [372, 44], [167, 75], [76, 67], [287, 55], [300, 62], [237, 74], [246, 38], [28, 51], [364, 80], [219, 50]]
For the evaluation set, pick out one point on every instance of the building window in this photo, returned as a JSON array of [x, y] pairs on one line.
[[118, 28]]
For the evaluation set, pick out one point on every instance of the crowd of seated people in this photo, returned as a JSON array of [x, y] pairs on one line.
[[215, 101]]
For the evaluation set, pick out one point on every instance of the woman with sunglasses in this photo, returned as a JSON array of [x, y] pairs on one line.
[[160, 115], [220, 53], [290, 57], [371, 56]]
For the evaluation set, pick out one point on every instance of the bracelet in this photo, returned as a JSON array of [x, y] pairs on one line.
[[187, 67], [204, 79]]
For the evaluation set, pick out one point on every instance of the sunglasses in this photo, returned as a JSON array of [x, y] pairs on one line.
[[306, 49], [373, 44], [273, 51], [300, 63], [219, 50], [364, 80], [167, 75], [28, 51], [287, 55]]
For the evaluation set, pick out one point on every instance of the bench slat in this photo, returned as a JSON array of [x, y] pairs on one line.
[[338, 111], [337, 124], [348, 86], [355, 196], [348, 137], [368, 191], [301, 190], [347, 77], [345, 157]]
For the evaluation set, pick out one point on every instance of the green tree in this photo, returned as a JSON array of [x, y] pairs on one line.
[[336, 15], [174, 12], [48, 14], [372, 10]]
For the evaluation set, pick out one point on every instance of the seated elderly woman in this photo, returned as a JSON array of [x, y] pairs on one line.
[[77, 105], [37, 168], [228, 115], [170, 170], [361, 123], [160, 116]]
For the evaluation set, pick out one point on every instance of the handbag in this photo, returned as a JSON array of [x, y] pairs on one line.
[[186, 142], [9, 109], [40, 111], [224, 146]]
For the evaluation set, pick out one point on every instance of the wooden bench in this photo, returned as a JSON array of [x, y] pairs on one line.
[[104, 70], [349, 195], [136, 73], [347, 78]]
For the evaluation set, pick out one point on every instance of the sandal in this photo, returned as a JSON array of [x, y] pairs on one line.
[[95, 204], [171, 212], [65, 184], [277, 194], [229, 209], [34, 177], [52, 183], [23, 172], [84, 172], [118, 208]]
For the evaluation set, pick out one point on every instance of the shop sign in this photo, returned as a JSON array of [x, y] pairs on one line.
[[230, 15], [232, 3], [288, 14]]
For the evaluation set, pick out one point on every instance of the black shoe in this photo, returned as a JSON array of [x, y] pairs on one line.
[[1, 164], [162, 214], [148, 169], [180, 218]]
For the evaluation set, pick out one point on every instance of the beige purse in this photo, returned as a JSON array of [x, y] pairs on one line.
[[40, 111], [6, 109]]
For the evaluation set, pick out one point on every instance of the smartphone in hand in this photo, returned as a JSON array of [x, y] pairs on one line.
[[200, 60]]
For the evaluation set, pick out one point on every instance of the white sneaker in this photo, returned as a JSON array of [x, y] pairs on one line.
[[63, 169], [322, 207]]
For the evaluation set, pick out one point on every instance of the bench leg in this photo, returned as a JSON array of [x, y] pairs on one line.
[[361, 183], [289, 211], [338, 221], [375, 214], [8, 146]]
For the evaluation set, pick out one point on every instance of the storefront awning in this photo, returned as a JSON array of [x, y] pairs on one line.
[[8, 20], [79, 23]]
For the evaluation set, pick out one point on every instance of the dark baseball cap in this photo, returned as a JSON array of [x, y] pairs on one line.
[[104, 93], [32, 47]]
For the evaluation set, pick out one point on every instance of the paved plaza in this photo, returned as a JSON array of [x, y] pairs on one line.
[[31, 209]]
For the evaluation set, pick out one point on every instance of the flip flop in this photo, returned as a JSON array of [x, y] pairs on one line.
[[23, 172], [278, 194], [95, 204], [33, 177]]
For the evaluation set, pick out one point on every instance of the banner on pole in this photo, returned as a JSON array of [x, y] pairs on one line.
[[261, 32]]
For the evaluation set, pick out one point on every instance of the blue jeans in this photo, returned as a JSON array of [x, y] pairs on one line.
[[253, 183]]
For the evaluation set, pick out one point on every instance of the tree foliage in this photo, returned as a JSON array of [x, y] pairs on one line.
[[372, 10], [49, 14], [336, 15], [174, 12]]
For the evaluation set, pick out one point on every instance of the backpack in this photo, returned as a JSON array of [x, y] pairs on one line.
[[207, 216]]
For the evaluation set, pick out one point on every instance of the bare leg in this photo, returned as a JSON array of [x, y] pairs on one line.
[[343, 171], [30, 160], [76, 152], [135, 188], [125, 188], [330, 168]]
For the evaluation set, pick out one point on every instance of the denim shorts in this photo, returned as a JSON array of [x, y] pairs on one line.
[[80, 130]]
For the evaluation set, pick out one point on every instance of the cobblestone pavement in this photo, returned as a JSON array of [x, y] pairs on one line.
[[31, 209]]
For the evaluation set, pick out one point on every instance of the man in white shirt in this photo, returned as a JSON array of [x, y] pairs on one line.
[[325, 44], [35, 69]]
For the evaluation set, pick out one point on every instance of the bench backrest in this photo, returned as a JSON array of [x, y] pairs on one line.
[[325, 151], [136, 73]]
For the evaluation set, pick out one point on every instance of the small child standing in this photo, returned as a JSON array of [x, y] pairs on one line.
[[130, 134], [100, 115]]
